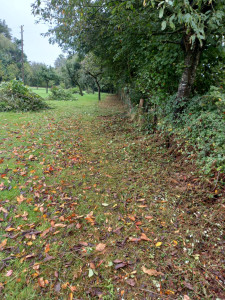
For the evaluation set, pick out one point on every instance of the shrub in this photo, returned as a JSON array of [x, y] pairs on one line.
[[200, 128], [15, 96], [57, 93]]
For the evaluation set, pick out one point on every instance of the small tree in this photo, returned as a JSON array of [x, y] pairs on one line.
[[74, 72], [93, 67], [47, 74]]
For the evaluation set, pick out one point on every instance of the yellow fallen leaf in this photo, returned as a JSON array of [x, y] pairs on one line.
[[158, 244], [169, 292], [175, 243], [70, 296], [10, 229]]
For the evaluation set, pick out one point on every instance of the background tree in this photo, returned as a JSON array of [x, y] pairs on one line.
[[74, 72], [138, 34], [47, 74], [93, 67]]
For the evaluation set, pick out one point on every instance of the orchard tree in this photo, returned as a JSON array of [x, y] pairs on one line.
[[74, 72], [93, 67], [47, 74]]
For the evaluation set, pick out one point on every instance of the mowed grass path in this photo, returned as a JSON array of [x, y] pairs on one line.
[[88, 210]]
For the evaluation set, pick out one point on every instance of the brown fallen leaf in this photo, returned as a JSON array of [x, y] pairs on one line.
[[131, 217], [60, 225], [100, 247], [92, 265], [121, 265], [73, 288], [151, 272], [48, 258], [47, 248], [41, 282], [45, 232], [131, 282], [144, 237], [3, 243]]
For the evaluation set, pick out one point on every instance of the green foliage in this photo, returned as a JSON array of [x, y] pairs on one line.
[[200, 129], [15, 96], [57, 93]]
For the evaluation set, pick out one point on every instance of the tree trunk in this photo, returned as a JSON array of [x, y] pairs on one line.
[[99, 90], [47, 87], [81, 92], [192, 56]]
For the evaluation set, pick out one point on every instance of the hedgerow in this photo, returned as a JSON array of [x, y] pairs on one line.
[[200, 129]]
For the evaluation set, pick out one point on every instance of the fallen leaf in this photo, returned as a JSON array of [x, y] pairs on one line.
[[131, 282], [151, 272], [57, 287], [41, 282], [47, 248], [73, 288], [90, 273], [92, 265], [100, 247], [144, 237], [3, 243], [20, 199], [60, 225], [158, 244], [121, 265], [9, 229], [131, 217], [70, 296], [186, 297], [9, 273], [169, 292]]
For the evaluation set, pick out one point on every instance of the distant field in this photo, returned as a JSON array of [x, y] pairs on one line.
[[42, 92]]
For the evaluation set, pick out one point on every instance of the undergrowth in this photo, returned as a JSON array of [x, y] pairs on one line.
[[198, 131]]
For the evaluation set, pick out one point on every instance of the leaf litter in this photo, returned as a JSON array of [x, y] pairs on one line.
[[97, 217]]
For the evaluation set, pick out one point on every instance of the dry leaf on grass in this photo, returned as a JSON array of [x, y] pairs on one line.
[[100, 247], [151, 272]]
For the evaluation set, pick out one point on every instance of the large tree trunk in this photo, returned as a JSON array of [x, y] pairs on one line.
[[192, 56]]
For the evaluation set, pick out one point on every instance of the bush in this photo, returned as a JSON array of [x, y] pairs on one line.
[[200, 128], [57, 93], [75, 90], [15, 96]]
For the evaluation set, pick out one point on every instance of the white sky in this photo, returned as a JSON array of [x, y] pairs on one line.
[[36, 47]]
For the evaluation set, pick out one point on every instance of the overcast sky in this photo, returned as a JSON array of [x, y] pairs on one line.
[[36, 47]]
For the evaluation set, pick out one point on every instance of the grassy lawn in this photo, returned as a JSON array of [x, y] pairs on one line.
[[42, 92], [90, 209]]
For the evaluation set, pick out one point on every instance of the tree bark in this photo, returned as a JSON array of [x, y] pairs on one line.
[[81, 92], [99, 90], [47, 87], [192, 56]]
